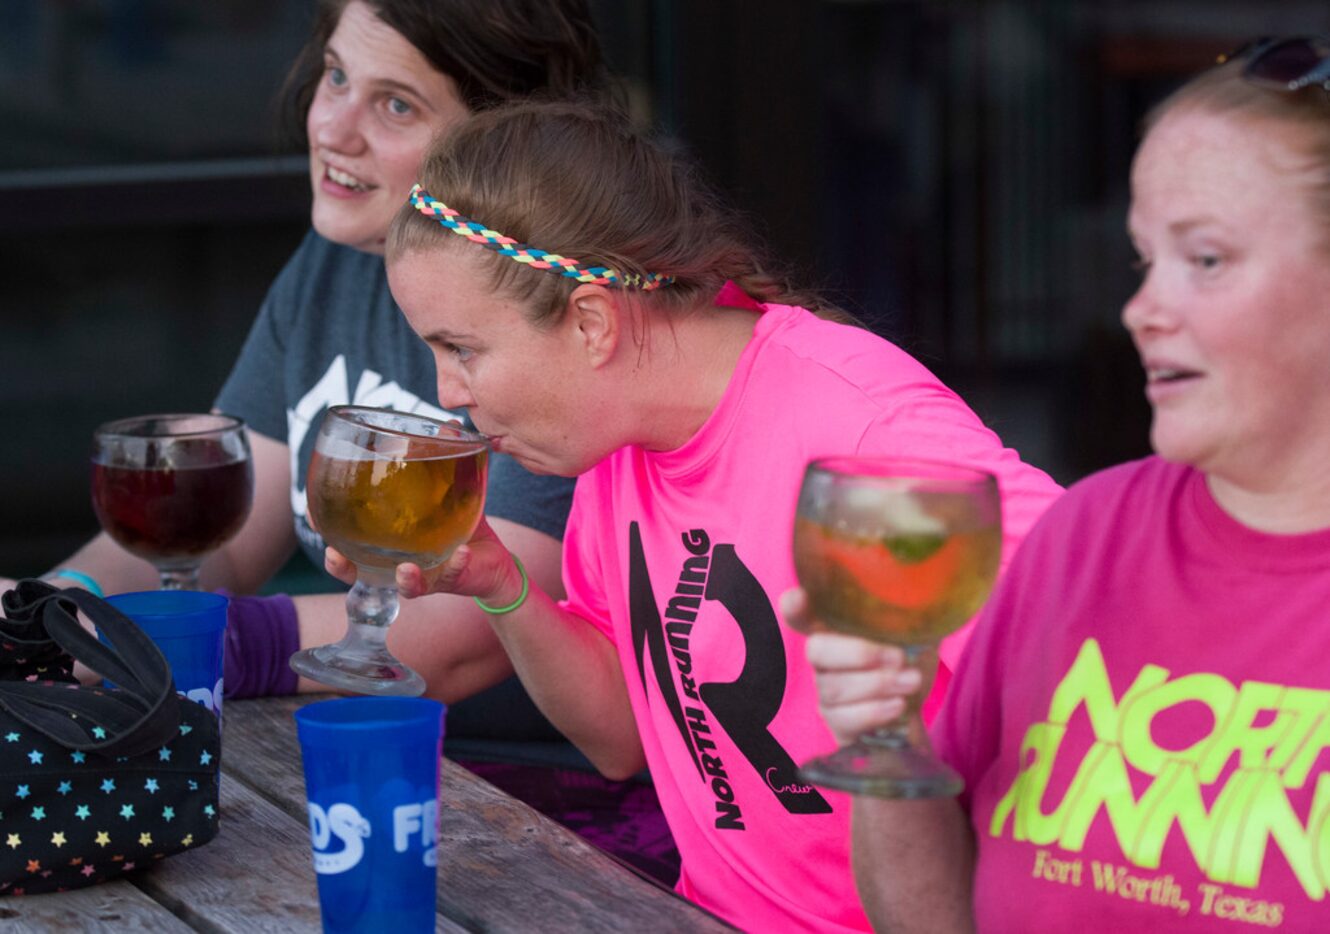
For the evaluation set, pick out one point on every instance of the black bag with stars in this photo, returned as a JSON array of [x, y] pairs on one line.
[[94, 782]]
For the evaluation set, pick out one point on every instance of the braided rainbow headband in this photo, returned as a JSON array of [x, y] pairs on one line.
[[426, 204]]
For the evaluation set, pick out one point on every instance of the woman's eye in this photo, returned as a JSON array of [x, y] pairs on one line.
[[336, 76], [1207, 260], [462, 354], [399, 107]]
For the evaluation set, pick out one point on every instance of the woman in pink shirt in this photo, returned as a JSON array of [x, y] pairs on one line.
[[1141, 717], [602, 316]]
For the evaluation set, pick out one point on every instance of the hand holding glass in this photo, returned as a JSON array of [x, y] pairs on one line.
[[386, 488], [903, 553], [171, 489]]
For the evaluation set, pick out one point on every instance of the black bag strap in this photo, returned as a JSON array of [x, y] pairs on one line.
[[140, 714]]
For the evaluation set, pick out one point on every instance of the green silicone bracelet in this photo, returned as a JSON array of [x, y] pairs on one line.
[[521, 597], [88, 582]]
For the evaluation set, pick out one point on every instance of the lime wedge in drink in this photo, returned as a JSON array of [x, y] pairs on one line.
[[912, 549]]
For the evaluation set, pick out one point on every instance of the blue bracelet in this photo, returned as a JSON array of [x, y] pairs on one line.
[[88, 582]]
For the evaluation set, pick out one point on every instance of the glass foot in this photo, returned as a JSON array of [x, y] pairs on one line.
[[365, 672], [883, 772]]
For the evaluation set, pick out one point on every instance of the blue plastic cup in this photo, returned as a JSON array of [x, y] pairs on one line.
[[189, 626], [372, 785]]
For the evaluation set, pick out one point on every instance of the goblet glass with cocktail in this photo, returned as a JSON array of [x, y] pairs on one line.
[[171, 489], [386, 488], [901, 552]]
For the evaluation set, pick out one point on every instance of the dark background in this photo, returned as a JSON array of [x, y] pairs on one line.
[[954, 171]]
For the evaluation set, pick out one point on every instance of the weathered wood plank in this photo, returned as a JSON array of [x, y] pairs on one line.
[[111, 907], [502, 867], [257, 876]]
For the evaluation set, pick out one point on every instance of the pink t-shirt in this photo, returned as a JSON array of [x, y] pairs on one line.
[[1142, 718], [680, 557]]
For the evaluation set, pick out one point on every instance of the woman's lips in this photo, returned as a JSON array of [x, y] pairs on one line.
[[1164, 383]]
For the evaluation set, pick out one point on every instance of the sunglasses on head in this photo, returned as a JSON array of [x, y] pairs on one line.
[[1285, 64]]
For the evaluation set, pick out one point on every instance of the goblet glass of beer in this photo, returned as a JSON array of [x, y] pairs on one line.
[[171, 489], [386, 488], [900, 552]]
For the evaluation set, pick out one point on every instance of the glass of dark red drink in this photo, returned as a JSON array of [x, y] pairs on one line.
[[172, 488]]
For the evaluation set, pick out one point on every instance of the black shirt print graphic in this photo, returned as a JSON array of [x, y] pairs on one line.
[[713, 577]]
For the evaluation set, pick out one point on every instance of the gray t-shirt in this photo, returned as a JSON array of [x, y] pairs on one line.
[[329, 333]]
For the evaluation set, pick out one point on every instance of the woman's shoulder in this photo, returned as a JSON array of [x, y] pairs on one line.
[[1134, 488], [849, 353]]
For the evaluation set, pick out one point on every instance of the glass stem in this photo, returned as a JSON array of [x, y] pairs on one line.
[[180, 578], [370, 610], [907, 729]]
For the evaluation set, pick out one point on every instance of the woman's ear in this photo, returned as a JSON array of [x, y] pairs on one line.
[[594, 318]]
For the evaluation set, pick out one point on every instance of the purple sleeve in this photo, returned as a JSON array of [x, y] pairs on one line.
[[262, 634]]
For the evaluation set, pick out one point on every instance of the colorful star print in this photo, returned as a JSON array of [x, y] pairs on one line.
[[46, 828]]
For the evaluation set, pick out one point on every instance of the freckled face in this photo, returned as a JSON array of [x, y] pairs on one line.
[[378, 104], [531, 389], [1232, 320]]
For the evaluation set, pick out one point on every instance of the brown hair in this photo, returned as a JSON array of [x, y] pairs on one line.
[[496, 50], [576, 178], [1223, 91]]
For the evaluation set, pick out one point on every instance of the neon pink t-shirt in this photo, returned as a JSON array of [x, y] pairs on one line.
[[680, 557], [1142, 718]]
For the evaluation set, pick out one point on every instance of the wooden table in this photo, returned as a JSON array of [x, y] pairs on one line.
[[502, 865]]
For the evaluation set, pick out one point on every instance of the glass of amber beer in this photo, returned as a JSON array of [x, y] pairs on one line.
[[901, 552], [386, 488]]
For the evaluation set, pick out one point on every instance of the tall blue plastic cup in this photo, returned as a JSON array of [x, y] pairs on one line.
[[189, 626], [372, 784]]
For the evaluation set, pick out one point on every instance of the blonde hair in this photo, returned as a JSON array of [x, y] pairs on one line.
[[577, 179], [1224, 91]]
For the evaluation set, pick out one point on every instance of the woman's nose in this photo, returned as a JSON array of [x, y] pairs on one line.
[[453, 391], [1144, 310], [335, 125]]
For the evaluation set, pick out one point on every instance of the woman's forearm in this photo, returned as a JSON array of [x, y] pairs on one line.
[[914, 864], [572, 672]]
